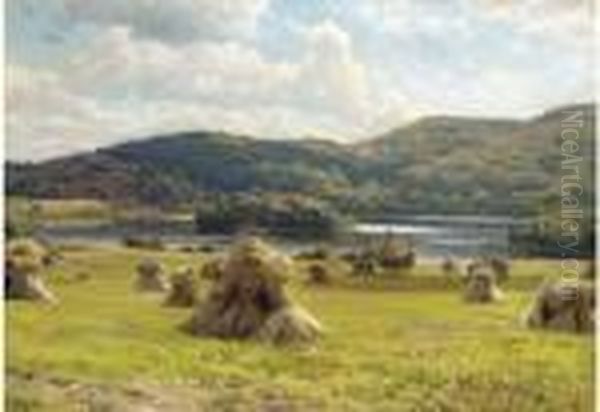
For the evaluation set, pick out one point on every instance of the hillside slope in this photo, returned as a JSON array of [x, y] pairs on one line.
[[438, 164]]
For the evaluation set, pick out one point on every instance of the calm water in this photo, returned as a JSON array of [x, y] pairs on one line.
[[433, 236]]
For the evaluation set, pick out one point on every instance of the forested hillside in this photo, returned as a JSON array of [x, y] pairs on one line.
[[435, 165]]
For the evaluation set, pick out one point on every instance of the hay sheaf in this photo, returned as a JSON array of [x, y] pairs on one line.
[[248, 293], [183, 291], [392, 256], [481, 287], [563, 306], [25, 255], [319, 274], [498, 266], [449, 266], [501, 268], [24, 264], [290, 325], [150, 277], [213, 269]]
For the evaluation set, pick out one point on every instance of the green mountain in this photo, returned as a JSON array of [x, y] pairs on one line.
[[435, 165]]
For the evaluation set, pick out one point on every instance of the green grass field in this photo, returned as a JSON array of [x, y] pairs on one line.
[[392, 348]]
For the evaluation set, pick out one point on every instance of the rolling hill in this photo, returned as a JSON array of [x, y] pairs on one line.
[[438, 164]]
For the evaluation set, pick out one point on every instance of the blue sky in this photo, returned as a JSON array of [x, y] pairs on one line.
[[88, 73]]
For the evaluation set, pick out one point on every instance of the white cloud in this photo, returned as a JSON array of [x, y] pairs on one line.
[[172, 20], [150, 66], [122, 86], [568, 22]]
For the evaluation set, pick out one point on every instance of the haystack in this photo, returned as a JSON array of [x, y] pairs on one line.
[[563, 306], [24, 263], [318, 274], [213, 269], [481, 287], [249, 298], [449, 266], [150, 277], [365, 266], [393, 256], [183, 288], [501, 268]]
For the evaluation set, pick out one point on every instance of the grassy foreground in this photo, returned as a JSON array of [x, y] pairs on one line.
[[107, 348]]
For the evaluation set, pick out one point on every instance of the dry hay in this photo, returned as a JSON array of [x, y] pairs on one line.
[[449, 266], [392, 257], [406, 261], [212, 270], [365, 266], [501, 268], [150, 277], [52, 257], [318, 274], [481, 287], [563, 306], [184, 289], [250, 291], [24, 262], [290, 325], [473, 266]]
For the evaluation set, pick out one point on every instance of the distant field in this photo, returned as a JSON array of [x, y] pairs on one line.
[[107, 348], [76, 209], [61, 210]]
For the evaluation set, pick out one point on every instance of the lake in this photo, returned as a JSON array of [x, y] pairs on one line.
[[433, 236]]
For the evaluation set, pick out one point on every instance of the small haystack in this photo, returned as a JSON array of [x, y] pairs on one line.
[[318, 274], [449, 266], [481, 287], [564, 306], [150, 277], [365, 266], [184, 288], [501, 268], [393, 256], [24, 262], [212, 270], [248, 300]]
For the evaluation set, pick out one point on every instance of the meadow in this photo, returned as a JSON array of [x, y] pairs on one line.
[[399, 344]]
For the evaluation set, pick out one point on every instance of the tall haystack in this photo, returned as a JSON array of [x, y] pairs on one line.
[[248, 300], [564, 306], [184, 288], [24, 264], [151, 277], [481, 287]]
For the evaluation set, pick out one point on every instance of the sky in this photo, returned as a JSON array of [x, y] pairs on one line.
[[82, 74]]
